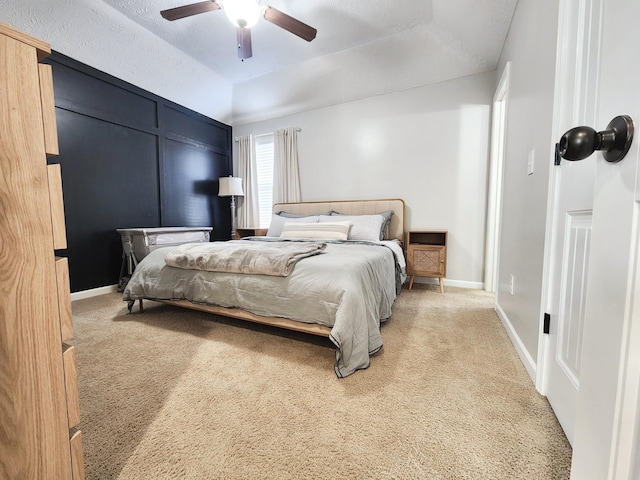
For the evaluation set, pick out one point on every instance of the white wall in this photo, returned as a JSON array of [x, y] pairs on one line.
[[530, 47], [428, 146]]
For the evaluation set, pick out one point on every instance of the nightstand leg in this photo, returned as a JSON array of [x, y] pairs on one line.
[[441, 285], [411, 282]]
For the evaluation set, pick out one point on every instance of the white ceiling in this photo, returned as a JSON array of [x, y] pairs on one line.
[[363, 48]]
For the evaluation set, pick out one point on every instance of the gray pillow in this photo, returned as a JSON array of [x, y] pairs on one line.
[[387, 214], [364, 227]]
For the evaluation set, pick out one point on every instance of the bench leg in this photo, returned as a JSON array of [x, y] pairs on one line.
[[131, 303]]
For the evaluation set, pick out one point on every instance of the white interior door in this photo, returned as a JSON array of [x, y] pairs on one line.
[[494, 208], [570, 209], [606, 437]]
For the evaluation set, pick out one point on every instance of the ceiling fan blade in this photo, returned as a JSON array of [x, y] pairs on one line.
[[188, 10], [290, 24], [244, 43]]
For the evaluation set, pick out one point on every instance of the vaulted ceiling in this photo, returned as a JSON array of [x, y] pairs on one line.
[[363, 48]]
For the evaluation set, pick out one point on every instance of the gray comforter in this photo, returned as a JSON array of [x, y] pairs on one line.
[[350, 287]]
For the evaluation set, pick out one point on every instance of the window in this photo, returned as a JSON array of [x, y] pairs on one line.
[[264, 167]]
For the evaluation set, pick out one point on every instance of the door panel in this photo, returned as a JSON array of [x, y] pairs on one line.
[[572, 301], [570, 208]]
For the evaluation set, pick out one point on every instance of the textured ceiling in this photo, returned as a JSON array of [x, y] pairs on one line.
[[363, 48], [211, 39]]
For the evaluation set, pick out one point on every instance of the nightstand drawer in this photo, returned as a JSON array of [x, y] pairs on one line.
[[426, 260]]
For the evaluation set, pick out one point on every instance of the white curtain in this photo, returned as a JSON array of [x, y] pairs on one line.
[[248, 211], [286, 179]]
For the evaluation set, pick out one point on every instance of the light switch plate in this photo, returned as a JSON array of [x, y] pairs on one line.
[[531, 162]]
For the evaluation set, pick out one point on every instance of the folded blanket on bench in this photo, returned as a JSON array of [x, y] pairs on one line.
[[238, 256]]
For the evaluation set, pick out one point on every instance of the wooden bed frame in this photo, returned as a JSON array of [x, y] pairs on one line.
[[349, 207]]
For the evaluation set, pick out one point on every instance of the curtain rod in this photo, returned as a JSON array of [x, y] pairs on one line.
[[298, 129]]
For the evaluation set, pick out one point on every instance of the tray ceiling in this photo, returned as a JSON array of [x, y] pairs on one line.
[[363, 48]]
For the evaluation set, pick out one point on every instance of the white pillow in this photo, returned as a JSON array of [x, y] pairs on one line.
[[363, 227], [326, 230], [277, 223]]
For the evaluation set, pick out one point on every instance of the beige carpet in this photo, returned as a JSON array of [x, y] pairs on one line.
[[171, 394]]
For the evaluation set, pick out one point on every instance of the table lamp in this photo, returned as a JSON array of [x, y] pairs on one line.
[[231, 187]]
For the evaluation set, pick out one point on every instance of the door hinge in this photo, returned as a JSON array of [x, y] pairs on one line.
[[557, 159], [547, 323]]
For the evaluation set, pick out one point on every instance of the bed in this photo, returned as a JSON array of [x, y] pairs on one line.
[[344, 292]]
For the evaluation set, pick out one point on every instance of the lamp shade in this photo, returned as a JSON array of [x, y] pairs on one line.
[[230, 187]]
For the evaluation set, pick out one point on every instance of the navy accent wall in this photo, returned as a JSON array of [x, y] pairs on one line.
[[131, 159]]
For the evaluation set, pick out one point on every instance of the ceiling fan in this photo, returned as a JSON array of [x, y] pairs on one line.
[[244, 14]]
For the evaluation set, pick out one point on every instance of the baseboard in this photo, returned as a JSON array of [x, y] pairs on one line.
[[450, 283], [526, 359], [94, 292]]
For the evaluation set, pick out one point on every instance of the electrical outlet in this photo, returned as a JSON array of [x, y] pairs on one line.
[[511, 286]]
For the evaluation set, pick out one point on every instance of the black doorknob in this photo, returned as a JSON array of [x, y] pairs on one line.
[[580, 142]]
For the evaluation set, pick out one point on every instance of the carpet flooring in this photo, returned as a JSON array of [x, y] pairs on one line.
[[179, 394]]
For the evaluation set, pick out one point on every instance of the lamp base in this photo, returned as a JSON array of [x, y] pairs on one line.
[[233, 217]]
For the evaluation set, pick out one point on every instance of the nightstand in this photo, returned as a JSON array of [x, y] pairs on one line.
[[250, 232], [427, 255]]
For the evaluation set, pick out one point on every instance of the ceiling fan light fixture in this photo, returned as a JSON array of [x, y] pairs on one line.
[[242, 13]]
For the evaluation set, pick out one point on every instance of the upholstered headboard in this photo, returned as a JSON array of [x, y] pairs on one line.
[[353, 207]]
